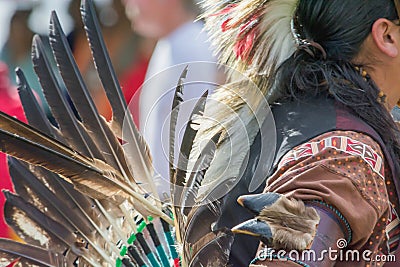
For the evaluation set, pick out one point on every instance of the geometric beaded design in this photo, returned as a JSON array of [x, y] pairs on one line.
[[339, 143], [393, 231]]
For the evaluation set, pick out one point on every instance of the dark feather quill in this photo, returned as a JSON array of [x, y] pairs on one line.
[[99, 182], [37, 228], [187, 141], [122, 123], [70, 168], [178, 179], [95, 187], [57, 203], [33, 112], [139, 170], [201, 166], [94, 123], [47, 190], [77, 203], [202, 217], [212, 250], [86, 217], [177, 101], [12, 125], [53, 204], [199, 221], [70, 127], [34, 226], [28, 255], [103, 64]]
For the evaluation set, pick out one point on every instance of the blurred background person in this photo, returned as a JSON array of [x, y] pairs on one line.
[[16, 52], [181, 40], [129, 52]]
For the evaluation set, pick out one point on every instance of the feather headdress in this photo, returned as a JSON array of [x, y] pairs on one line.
[[253, 38]]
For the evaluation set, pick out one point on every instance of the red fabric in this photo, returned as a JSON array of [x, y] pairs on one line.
[[176, 263], [131, 82], [10, 104]]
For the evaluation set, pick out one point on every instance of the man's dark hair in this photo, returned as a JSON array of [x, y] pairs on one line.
[[338, 28]]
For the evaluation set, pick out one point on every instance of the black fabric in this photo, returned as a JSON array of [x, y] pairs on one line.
[[244, 247], [299, 121], [296, 122]]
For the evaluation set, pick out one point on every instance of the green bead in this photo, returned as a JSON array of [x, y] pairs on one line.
[[123, 251], [141, 226], [118, 262], [131, 239]]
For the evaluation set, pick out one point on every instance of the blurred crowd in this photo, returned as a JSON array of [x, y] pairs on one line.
[[143, 37], [129, 52]]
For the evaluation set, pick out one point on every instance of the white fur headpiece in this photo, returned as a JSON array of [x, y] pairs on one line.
[[252, 37]]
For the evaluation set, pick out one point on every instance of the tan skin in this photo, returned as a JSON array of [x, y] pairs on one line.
[[383, 46], [157, 18]]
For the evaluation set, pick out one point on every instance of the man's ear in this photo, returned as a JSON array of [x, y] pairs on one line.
[[386, 37]]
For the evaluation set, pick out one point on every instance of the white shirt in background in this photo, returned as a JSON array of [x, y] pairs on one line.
[[187, 45]]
